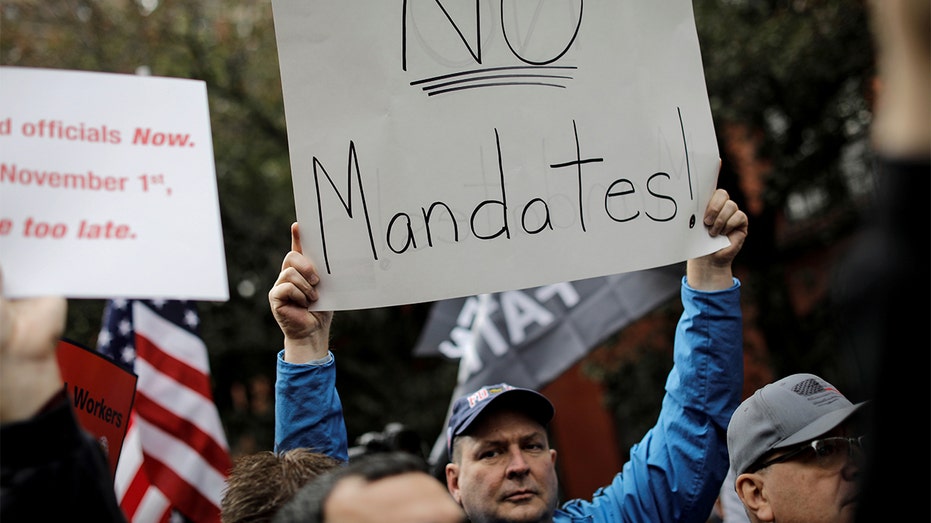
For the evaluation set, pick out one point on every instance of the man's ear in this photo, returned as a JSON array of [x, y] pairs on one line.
[[751, 489], [452, 481]]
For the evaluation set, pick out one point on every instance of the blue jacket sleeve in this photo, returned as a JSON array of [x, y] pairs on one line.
[[675, 472], [308, 411]]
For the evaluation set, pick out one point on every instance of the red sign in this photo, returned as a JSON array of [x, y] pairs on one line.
[[102, 394]]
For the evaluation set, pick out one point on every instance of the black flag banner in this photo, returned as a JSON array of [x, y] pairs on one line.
[[529, 337]]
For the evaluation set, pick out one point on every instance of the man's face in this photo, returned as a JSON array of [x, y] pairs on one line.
[[505, 470], [412, 497], [810, 489]]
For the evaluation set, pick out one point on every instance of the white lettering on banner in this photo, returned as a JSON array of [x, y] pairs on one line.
[[473, 323], [566, 291], [469, 363], [519, 311]]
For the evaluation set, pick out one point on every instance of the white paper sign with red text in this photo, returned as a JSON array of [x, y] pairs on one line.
[[108, 187]]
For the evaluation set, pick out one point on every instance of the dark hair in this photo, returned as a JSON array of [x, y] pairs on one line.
[[307, 505], [260, 483]]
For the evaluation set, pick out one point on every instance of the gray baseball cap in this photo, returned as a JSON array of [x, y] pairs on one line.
[[793, 410]]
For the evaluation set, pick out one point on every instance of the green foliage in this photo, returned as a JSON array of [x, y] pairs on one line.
[[800, 71]]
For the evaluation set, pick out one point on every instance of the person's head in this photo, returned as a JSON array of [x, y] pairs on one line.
[[259, 483], [795, 447], [501, 465], [385, 487]]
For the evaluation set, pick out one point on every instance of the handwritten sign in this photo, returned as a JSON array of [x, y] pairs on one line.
[[445, 149], [108, 187]]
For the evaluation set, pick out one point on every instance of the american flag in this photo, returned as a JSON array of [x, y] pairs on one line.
[[175, 458]]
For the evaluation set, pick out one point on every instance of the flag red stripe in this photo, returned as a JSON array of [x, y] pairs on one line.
[[182, 373], [134, 494], [187, 499], [213, 452]]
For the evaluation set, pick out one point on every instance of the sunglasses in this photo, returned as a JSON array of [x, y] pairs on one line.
[[829, 453]]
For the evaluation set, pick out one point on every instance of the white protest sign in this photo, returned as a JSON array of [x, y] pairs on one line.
[[108, 187], [443, 149]]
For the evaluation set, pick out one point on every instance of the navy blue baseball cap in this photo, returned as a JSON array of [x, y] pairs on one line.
[[467, 408]]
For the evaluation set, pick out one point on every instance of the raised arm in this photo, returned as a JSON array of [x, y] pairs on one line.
[[675, 471], [308, 411], [45, 450]]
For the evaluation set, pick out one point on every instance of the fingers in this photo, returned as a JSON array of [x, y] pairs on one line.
[[715, 204], [737, 222], [719, 209], [295, 259], [736, 230], [288, 291], [298, 276], [724, 217], [302, 264], [723, 221], [292, 297], [293, 285]]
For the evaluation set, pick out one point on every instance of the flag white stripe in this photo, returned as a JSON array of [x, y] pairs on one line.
[[184, 461], [180, 400], [170, 338], [130, 461], [152, 507]]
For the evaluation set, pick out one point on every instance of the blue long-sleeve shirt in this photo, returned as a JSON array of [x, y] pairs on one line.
[[674, 473], [308, 411]]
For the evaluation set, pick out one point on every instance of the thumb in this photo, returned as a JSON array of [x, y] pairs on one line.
[[296, 238]]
